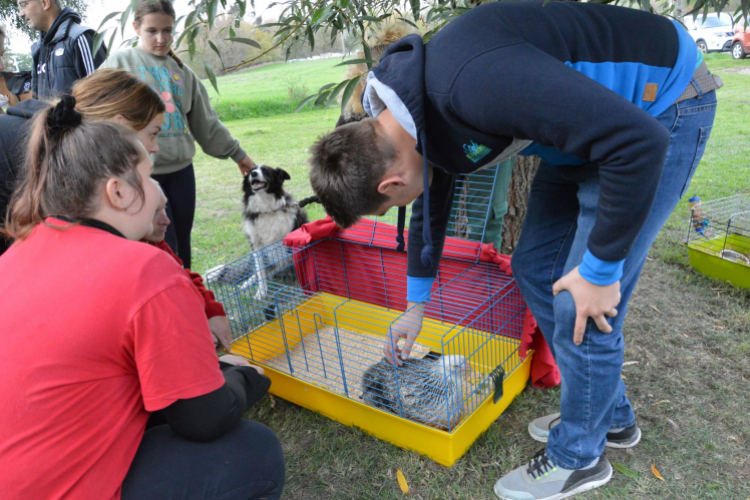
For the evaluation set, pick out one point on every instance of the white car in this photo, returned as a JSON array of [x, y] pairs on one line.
[[713, 34]]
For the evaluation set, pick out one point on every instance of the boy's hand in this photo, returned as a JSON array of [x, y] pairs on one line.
[[408, 328], [220, 328], [592, 301], [246, 165]]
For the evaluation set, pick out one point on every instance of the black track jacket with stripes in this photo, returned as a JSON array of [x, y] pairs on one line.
[[63, 55]]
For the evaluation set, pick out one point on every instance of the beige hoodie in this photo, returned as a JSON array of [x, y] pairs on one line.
[[189, 116]]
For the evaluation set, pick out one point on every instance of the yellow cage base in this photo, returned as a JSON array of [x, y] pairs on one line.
[[705, 258], [264, 346]]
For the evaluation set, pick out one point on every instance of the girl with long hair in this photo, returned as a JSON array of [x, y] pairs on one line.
[[189, 117]]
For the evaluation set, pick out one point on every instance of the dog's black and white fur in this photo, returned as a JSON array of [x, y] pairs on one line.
[[270, 213]]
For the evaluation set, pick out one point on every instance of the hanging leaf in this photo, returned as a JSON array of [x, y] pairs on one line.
[[325, 87], [211, 77], [189, 19], [213, 5], [625, 471], [107, 18], [305, 102], [98, 39], [368, 54], [124, 19], [403, 19], [348, 91], [111, 41], [369, 62], [369, 18], [344, 4], [246, 41], [415, 8], [232, 34], [321, 99], [402, 482], [657, 473], [215, 49], [319, 14], [336, 90], [310, 38]]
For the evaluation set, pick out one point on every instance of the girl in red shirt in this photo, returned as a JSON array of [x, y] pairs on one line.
[[100, 331]]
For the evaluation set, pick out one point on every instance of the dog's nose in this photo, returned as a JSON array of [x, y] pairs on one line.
[[253, 174]]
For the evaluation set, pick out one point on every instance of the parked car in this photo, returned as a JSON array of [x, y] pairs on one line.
[[712, 34], [741, 41]]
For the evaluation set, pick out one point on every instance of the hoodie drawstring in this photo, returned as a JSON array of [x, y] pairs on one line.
[[400, 229], [427, 251]]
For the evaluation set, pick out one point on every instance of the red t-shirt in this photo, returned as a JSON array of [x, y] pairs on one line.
[[97, 331], [213, 307]]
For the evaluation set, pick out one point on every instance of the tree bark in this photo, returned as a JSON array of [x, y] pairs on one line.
[[524, 170]]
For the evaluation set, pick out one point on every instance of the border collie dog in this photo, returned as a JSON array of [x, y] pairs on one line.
[[270, 213]]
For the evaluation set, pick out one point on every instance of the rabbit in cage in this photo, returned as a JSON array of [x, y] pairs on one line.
[[427, 389]]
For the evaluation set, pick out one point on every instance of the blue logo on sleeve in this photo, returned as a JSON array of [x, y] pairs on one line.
[[476, 152]]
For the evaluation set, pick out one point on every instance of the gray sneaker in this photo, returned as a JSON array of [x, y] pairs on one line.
[[541, 479], [625, 438]]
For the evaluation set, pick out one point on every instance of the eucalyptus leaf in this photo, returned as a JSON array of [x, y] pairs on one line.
[[218, 53], [321, 99], [98, 39], [124, 19], [348, 91], [310, 38], [246, 41], [336, 90], [369, 62], [211, 77], [212, 7], [415, 6], [106, 18], [625, 471], [304, 102]]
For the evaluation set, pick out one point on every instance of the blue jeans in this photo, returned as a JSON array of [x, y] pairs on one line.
[[561, 214]]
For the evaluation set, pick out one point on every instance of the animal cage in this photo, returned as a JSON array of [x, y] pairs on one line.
[[316, 317], [718, 239]]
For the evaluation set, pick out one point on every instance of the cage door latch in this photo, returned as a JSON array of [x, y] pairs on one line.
[[497, 376]]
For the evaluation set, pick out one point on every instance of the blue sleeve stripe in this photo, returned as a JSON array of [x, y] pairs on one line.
[[418, 289], [600, 272]]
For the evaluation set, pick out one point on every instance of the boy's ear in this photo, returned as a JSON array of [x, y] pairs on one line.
[[390, 185], [284, 174]]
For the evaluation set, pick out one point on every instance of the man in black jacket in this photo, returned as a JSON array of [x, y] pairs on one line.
[[64, 51]]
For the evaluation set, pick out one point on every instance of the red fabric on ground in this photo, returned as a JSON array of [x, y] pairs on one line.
[[388, 288], [213, 307]]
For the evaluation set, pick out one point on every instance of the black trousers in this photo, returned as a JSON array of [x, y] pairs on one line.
[[246, 463], [180, 190]]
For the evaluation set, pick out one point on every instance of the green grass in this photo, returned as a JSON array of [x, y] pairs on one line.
[[688, 334], [272, 89]]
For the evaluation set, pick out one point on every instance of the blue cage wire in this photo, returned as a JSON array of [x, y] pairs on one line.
[[321, 314]]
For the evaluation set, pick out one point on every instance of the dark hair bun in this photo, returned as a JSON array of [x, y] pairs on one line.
[[64, 116]]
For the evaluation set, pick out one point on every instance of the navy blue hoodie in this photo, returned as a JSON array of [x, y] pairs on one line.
[[573, 83]]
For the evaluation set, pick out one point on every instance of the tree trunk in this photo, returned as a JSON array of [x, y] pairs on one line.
[[524, 170]]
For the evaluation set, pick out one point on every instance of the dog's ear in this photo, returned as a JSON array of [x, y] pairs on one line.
[[284, 174]]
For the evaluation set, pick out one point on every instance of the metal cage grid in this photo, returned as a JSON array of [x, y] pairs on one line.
[[722, 227], [718, 239], [320, 314]]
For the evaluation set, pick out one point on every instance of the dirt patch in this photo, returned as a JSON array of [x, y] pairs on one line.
[[741, 71]]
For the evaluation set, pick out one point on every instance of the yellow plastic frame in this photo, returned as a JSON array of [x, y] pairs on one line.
[[443, 447]]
